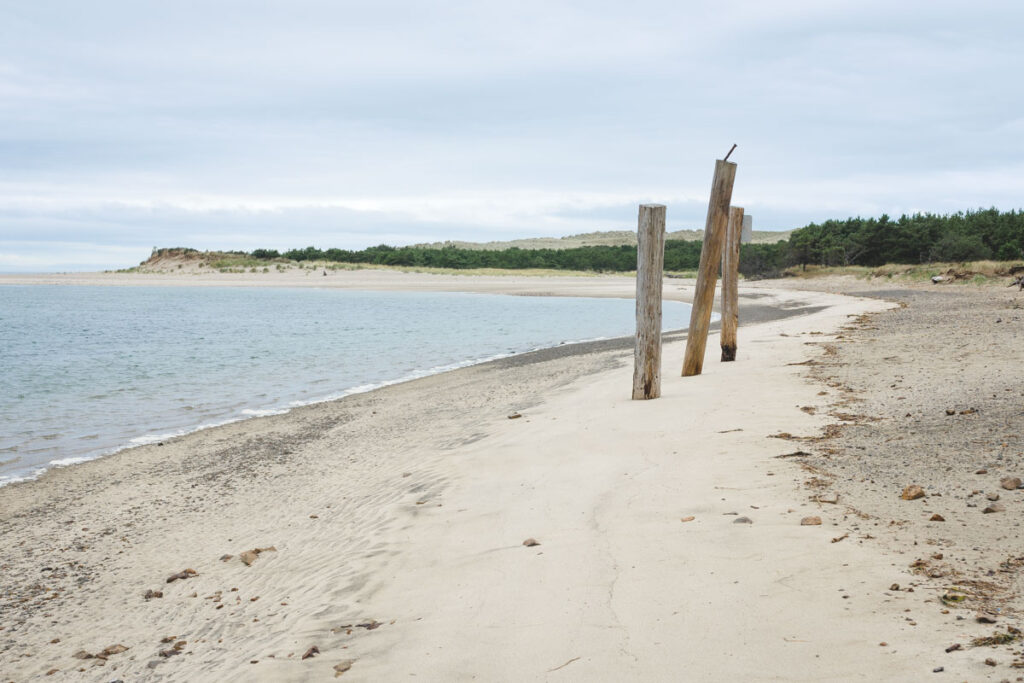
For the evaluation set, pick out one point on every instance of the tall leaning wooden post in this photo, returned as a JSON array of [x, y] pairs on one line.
[[731, 283], [650, 259], [707, 273]]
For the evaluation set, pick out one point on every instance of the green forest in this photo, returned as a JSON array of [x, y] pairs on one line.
[[919, 238]]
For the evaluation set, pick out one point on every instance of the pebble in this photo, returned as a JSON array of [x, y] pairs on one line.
[[912, 492], [936, 518], [743, 520], [810, 521], [1010, 483], [994, 507], [530, 542]]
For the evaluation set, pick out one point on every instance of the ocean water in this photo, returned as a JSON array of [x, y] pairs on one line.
[[86, 371]]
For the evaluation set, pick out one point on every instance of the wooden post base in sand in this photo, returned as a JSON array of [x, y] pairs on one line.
[[707, 273], [650, 259]]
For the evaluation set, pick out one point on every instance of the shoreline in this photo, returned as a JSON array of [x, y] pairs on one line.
[[404, 510], [752, 314]]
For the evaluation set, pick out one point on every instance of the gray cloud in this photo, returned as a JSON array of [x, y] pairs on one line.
[[232, 125]]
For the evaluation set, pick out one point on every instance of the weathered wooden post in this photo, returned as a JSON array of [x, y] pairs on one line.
[[730, 283], [650, 259], [707, 273]]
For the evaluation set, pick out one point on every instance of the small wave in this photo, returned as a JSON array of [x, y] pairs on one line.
[[253, 412]]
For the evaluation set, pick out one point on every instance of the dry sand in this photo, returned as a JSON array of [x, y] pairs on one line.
[[398, 518]]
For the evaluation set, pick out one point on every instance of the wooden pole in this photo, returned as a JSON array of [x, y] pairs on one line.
[[707, 274], [650, 259], [730, 283]]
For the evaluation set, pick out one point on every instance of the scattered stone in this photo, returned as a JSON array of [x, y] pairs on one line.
[[912, 492], [969, 411], [938, 670], [1010, 483], [894, 587], [249, 556], [954, 647], [936, 518], [689, 518], [54, 641], [992, 496], [113, 650], [530, 542], [990, 662], [950, 411], [810, 521], [225, 557], [52, 671], [314, 516], [343, 666], [883, 644], [514, 416], [150, 594], [994, 507], [82, 654], [984, 618], [183, 574], [743, 520], [832, 498], [311, 652], [982, 471]]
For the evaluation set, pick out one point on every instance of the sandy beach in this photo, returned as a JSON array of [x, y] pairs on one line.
[[666, 540]]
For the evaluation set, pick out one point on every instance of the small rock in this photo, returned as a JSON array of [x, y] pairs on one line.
[[689, 518], [883, 644], [183, 574], [225, 557], [54, 641], [82, 654], [954, 647], [984, 618], [530, 542], [150, 594], [743, 520], [912, 492], [342, 667], [810, 521], [950, 411], [832, 498], [894, 587], [994, 507], [992, 496], [314, 517], [990, 662], [936, 518], [938, 670], [113, 650], [310, 652], [52, 671], [248, 557], [1010, 483], [514, 416], [982, 471]]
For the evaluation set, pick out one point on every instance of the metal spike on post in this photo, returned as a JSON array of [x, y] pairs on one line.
[[650, 259], [730, 283], [707, 273]]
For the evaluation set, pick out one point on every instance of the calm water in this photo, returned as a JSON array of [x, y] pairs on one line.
[[85, 371]]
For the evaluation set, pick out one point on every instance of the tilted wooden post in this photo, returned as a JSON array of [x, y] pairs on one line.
[[650, 259], [707, 273], [731, 283]]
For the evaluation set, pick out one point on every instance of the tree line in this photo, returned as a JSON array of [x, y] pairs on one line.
[[914, 239]]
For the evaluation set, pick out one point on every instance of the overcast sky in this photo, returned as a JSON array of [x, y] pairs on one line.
[[229, 124]]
